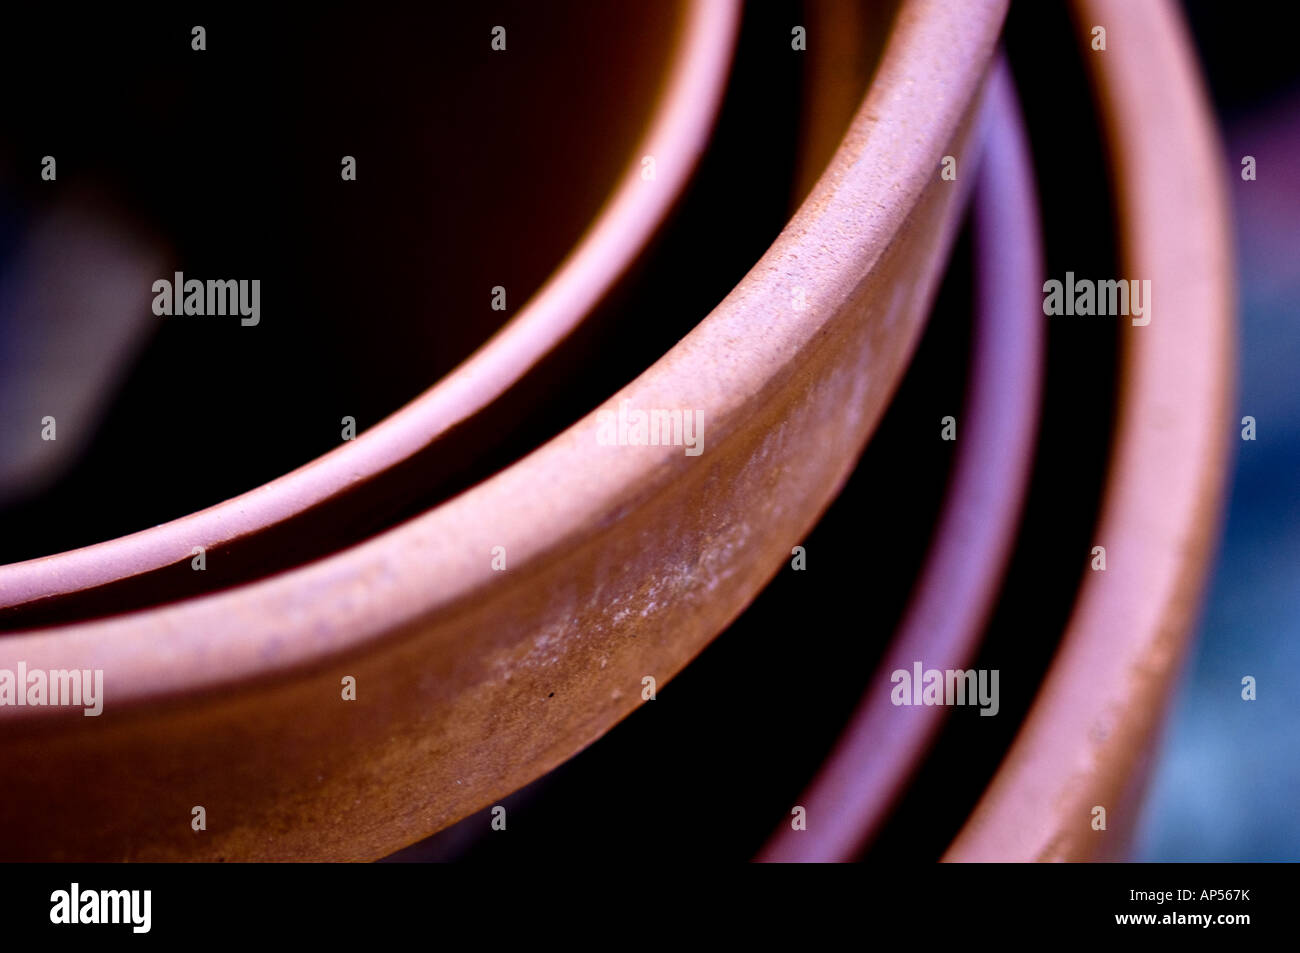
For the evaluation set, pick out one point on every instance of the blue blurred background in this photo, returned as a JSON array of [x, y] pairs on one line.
[[1227, 781]]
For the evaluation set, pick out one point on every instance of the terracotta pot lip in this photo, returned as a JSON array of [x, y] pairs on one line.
[[1097, 710], [680, 126], [555, 499]]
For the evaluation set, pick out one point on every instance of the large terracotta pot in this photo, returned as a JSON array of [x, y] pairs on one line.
[[621, 562]]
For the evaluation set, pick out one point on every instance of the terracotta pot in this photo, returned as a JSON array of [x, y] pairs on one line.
[[621, 562], [354, 489], [1086, 739]]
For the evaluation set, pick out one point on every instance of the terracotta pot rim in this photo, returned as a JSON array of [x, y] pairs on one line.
[[679, 128]]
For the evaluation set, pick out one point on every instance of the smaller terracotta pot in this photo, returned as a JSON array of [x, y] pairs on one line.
[[356, 488]]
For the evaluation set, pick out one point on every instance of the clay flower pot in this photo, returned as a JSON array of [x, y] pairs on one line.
[[342, 495], [494, 636]]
